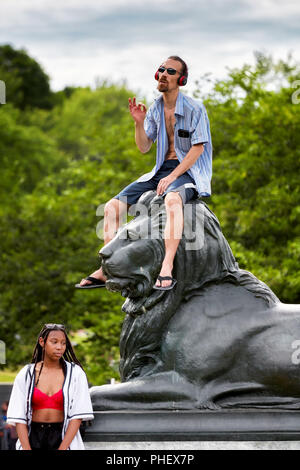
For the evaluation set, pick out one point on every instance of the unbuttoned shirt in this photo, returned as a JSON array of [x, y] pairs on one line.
[[191, 127]]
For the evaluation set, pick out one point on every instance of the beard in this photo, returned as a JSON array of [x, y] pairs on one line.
[[163, 87]]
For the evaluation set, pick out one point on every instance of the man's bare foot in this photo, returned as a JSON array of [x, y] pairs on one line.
[[97, 274], [166, 270]]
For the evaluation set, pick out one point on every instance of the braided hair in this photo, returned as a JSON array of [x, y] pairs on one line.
[[39, 351]]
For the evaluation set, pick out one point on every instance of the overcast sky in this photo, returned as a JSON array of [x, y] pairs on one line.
[[77, 41]]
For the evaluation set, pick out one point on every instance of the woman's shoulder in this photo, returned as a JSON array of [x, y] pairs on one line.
[[79, 370], [76, 369]]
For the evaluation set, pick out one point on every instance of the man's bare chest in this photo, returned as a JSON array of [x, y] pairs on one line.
[[170, 121]]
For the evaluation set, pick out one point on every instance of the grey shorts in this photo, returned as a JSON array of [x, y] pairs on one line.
[[184, 185]]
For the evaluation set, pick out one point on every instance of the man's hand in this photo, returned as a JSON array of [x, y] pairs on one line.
[[164, 183], [137, 111]]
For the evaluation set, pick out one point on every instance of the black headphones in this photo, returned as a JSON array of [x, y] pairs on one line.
[[182, 80]]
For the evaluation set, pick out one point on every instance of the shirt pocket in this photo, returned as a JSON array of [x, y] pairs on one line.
[[183, 143]]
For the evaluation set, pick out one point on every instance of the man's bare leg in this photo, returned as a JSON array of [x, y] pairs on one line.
[[113, 211], [172, 234]]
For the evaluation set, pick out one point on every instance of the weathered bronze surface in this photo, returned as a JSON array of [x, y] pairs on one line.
[[220, 339]]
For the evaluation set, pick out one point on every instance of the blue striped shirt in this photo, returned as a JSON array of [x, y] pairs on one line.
[[190, 116]]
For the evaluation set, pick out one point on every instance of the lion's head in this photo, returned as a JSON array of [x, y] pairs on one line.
[[132, 259]]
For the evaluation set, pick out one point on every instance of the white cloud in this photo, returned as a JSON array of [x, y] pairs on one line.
[[274, 9]]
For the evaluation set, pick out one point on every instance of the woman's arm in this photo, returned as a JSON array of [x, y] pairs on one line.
[[70, 434], [22, 431]]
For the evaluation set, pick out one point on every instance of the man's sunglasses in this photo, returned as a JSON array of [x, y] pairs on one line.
[[169, 70]]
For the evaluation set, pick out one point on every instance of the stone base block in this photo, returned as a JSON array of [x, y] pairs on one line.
[[193, 426]]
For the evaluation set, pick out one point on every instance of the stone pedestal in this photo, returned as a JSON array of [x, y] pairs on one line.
[[204, 430]]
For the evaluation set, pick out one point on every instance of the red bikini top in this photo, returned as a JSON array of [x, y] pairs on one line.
[[41, 400]]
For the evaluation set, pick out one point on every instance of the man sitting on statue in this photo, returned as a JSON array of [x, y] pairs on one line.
[[180, 127]]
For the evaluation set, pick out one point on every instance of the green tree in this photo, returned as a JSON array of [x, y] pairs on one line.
[[27, 85], [27, 154], [256, 137], [53, 242]]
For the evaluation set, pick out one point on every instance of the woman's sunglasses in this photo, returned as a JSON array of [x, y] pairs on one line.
[[53, 326], [169, 70]]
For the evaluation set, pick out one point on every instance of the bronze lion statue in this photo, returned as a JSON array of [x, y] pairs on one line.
[[220, 339]]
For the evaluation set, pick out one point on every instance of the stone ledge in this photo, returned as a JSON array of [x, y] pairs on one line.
[[191, 445], [237, 425]]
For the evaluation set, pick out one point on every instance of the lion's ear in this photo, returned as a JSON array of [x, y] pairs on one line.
[[156, 205], [157, 200], [147, 198]]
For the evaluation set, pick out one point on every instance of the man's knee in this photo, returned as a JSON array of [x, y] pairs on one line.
[[114, 207], [173, 198]]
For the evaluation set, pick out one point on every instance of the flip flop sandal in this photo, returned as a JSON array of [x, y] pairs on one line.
[[95, 283], [165, 278]]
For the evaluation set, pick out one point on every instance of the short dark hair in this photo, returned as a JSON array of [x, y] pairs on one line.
[[184, 70]]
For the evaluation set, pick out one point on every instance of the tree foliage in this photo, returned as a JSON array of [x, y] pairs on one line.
[[255, 126], [27, 85]]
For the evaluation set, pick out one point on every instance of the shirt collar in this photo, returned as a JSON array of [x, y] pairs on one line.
[[179, 103]]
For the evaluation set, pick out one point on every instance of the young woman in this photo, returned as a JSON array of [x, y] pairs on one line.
[[50, 396]]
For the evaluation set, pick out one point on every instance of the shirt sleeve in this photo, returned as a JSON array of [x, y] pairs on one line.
[[200, 125], [81, 403], [150, 125], [16, 412]]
